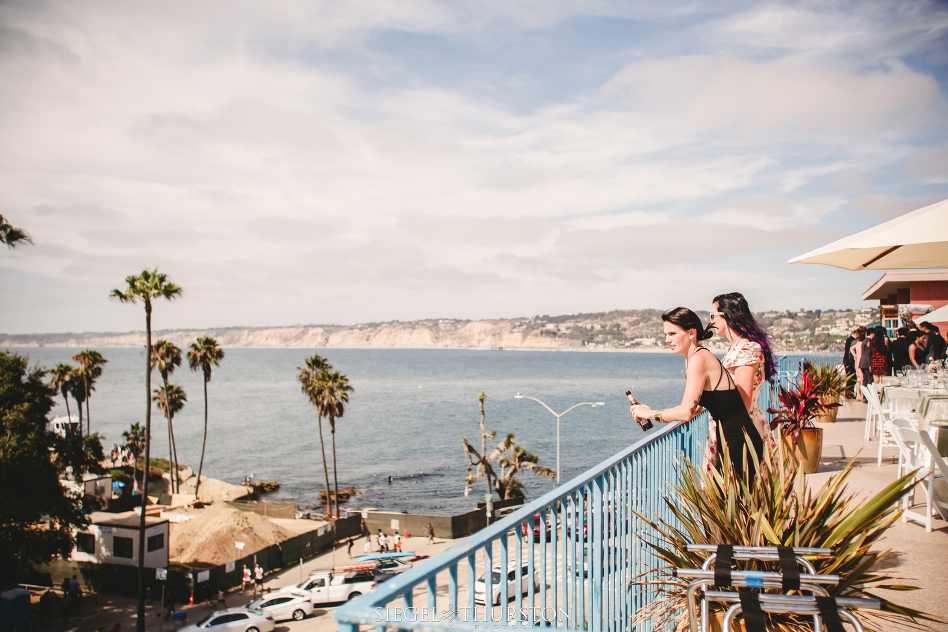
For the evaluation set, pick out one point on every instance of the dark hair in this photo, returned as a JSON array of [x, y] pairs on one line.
[[860, 329], [738, 316], [687, 319], [878, 340], [903, 331]]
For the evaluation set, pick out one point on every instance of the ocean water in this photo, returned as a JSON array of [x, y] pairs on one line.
[[407, 415]]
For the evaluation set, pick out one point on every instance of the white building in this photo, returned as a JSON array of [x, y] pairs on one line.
[[113, 539]]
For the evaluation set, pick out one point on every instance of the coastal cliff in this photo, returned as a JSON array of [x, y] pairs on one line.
[[633, 330]]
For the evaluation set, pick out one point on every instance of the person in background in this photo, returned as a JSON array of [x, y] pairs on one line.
[[367, 547], [245, 579], [900, 349], [257, 579], [349, 546], [749, 360], [917, 352], [878, 354], [708, 385], [857, 351], [935, 350], [849, 363]]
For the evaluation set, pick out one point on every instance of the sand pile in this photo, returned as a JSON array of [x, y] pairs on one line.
[[211, 536]]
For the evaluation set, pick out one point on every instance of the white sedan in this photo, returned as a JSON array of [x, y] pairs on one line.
[[496, 586], [233, 620], [285, 606]]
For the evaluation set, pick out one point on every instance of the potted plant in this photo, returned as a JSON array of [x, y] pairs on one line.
[[831, 381], [800, 404], [779, 509]]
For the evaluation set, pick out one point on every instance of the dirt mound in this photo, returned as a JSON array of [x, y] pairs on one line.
[[210, 537]]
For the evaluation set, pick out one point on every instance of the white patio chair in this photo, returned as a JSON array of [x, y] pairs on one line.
[[901, 403], [885, 427], [921, 450], [905, 460]]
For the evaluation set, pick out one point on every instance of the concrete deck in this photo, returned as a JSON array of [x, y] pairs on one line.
[[918, 556]]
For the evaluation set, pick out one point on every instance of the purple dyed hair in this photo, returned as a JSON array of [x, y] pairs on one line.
[[738, 316]]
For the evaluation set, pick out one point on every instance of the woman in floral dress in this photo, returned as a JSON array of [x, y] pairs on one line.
[[749, 360]]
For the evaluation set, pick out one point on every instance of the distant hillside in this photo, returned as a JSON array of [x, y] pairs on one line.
[[621, 329]]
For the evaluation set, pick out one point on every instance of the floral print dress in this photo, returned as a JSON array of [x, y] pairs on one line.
[[741, 354]]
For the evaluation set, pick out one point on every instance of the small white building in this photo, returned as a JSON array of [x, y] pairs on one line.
[[113, 539]]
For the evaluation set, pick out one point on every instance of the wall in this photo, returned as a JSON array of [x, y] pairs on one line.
[[104, 548], [273, 510], [451, 527]]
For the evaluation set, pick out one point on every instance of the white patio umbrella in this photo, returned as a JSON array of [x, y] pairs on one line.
[[915, 241], [938, 316]]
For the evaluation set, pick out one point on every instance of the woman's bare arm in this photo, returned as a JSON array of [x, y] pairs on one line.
[[744, 379], [696, 379]]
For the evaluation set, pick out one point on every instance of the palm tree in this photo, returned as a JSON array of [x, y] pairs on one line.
[[170, 399], [135, 442], [62, 382], [203, 354], [311, 386], [334, 395], [11, 236], [77, 387], [146, 287], [91, 363], [511, 459], [165, 357]]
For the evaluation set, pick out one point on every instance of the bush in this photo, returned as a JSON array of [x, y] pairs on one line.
[[120, 476]]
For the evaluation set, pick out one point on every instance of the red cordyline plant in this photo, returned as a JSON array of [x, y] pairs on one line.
[[799, 404]]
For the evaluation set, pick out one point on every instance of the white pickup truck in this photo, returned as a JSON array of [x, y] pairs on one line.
[[343, 583]]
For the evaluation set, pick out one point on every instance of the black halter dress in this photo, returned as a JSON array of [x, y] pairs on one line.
[[727, 407]]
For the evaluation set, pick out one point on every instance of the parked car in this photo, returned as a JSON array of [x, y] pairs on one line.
[[536, 524], [394, 565], [496, 585], [233, 620], [285, 606], [342, 583]]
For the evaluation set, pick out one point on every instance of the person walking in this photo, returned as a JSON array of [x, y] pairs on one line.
[[749, 361], [245, 579], [708, 385], [398, 543], [349, 546], [257, 579], [383, 543], [429, 531], [75, 595], [367, 547], [220, 598], [862, 358], [849, 364]]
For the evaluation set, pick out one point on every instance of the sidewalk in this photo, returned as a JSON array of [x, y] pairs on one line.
[[918, 556]]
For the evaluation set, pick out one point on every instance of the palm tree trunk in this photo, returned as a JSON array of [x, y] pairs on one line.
[[335, 479], [79, 406], [322, 446], [174, 453], [140, 618], [88, 416], [197, 486], [170, 443], [68, 414]]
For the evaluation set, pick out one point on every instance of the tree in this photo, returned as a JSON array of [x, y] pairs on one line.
[[333, 397], [203, 355], [165, 357], [310, 384], [63, 382], [147, 287], [13, 237], [91, 363], [510, 457], [135, 442], [170, 399], [38, 516], [77, 388]]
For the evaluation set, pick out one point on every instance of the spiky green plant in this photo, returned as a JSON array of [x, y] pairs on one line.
[[778, 509]]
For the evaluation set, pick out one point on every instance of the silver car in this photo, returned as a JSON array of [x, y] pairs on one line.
[[512, 589], [285, 606], [233, 620]]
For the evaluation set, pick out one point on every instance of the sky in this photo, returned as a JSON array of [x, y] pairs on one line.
[[327, 162]]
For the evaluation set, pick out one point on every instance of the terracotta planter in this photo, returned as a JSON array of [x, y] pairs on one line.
[[830, 415], [808, 449]]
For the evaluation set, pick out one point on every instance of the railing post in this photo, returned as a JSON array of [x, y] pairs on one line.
[[596, 574]]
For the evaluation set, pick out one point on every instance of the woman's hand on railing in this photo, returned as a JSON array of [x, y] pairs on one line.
[[641, 412]]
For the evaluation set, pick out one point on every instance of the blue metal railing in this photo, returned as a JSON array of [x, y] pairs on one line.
[[573, 569], [583, 548]]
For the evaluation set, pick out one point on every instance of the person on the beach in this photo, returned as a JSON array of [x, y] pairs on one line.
[[245, 579], [749, 360], [367, 547], [708, 385], [398, 543], [383, 543], [257, 579]]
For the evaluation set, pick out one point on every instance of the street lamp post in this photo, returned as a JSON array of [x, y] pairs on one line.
[[593, 404]]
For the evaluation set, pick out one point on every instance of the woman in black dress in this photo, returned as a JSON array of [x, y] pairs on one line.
[[708, 385]]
